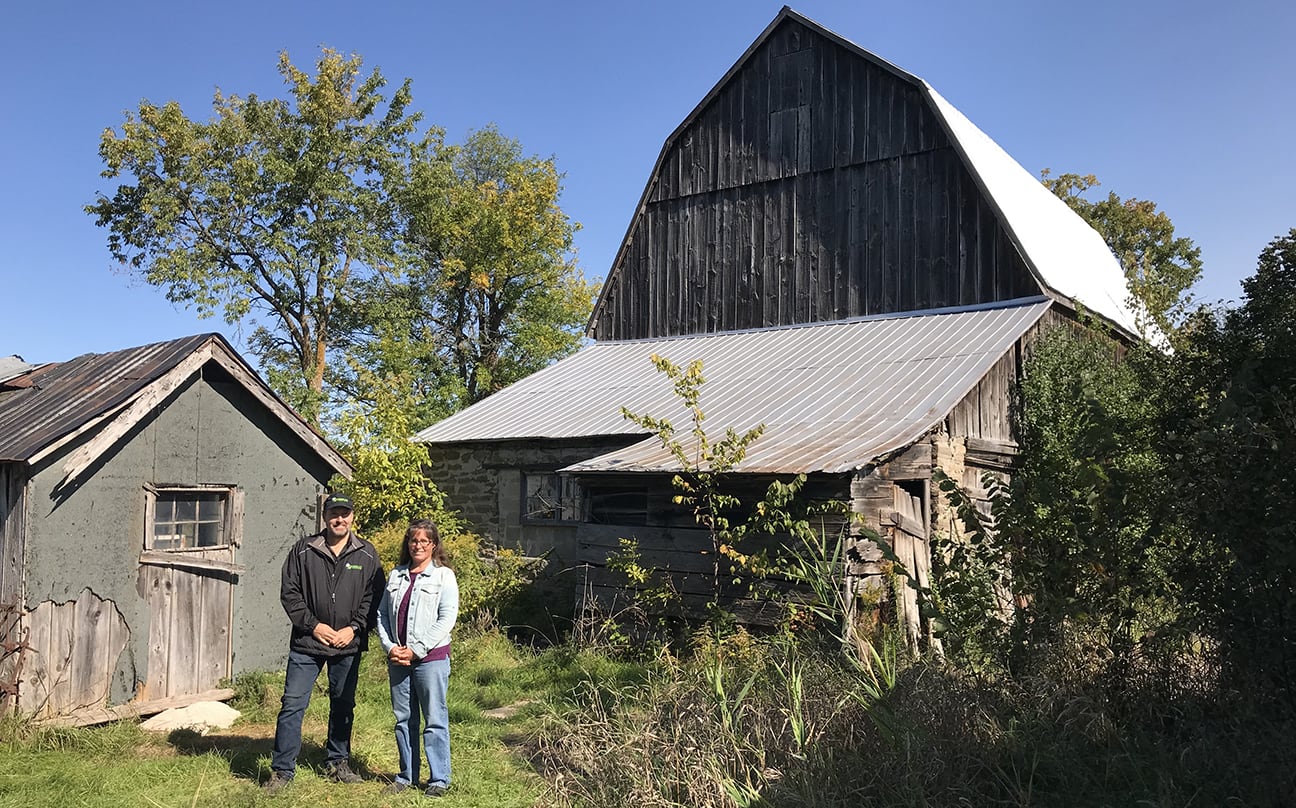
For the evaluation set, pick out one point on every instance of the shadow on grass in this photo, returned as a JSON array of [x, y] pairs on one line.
[[246, 754]]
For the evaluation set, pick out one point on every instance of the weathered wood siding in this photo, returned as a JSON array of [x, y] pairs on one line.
[[683, 558], [816, 185], [13, 507], [189, 629], [73, 653]]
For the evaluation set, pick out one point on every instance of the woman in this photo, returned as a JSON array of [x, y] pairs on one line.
[[417, 611]]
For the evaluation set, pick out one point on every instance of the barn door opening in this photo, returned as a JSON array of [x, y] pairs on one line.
[[187, 576], [910, 523]]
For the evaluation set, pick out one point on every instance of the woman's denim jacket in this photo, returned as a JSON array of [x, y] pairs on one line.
[[433, 607]]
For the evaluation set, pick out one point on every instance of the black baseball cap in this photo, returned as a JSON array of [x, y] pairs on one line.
[[338, 501]]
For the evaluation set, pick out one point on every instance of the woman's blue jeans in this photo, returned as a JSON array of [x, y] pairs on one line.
[[420, 691]]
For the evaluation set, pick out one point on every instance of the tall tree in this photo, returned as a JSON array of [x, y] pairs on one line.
[[272, 208], [493, 292], [1160, 267]]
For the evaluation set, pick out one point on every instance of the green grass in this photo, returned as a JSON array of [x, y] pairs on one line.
[[121, 765], [754, 723]]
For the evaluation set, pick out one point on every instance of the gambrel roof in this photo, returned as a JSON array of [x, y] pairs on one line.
[[1066, 258], [832, 397], [50, 405]]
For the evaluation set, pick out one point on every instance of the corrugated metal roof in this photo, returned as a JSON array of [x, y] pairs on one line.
[[48, 403], [38, 408], [832, 396]]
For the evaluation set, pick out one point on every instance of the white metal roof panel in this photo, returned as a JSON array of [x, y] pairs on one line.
[[1069, 255], [832, 396]]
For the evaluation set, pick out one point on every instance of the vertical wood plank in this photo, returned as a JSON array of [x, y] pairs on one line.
[[185, 640], [213, 613], [159, 588]]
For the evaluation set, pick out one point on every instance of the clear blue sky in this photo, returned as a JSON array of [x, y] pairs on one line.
[[1186, 103]]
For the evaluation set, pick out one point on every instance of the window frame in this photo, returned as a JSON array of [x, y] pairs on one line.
[[570, 497], [231, 521]]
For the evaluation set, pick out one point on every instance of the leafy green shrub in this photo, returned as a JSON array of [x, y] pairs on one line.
[[490, 579]]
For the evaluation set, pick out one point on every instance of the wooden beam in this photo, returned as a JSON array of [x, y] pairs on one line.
[[993, 454], [158, 558], [132, 709], [908, 525], [915, 463]]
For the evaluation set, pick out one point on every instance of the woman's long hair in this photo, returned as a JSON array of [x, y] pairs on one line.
[[428, 528]]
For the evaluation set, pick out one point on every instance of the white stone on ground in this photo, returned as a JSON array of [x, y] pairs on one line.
[[200, 717]]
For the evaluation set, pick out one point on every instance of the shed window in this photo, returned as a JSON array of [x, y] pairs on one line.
[[551, 497], [188, 519]]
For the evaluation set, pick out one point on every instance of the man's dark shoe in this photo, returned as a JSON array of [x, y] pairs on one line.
[[276, 783], [435, 790], [341, 772], [395, 787]]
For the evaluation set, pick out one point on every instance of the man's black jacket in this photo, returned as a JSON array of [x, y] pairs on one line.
[[342, 591]]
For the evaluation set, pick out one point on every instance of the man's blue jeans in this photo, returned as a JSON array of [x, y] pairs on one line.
[[303, 670], [420, 690]]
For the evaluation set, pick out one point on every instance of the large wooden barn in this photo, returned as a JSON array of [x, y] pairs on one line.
[[858, 267], [147, 499]]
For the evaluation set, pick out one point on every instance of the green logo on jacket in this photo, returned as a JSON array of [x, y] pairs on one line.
[[354, 567]]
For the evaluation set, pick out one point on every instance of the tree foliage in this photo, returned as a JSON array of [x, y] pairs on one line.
[[352, 238], [1230, 422], [1160, 267], [491, 258], [1074, 546], [270, 208], [704, 486]]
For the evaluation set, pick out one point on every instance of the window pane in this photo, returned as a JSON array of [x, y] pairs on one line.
[[209, 534], [188, 519], [210, 510]]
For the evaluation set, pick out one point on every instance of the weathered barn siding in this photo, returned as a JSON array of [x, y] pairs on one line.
[[682, 554], [815, 185], [209, 431], [72, 654]]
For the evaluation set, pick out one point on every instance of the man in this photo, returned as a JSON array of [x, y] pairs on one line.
[[332, 583]]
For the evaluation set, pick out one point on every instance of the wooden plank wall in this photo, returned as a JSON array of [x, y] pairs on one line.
[[683, 555], [13, 530], [73, 654], [816, 186], [189, 630], [986, 412]]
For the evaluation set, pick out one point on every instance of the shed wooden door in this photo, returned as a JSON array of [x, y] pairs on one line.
[[190, 605]]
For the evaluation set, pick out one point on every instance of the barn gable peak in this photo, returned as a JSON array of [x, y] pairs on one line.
[[817, 182]]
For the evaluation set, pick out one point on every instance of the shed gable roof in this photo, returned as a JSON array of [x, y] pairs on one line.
[[832, 396], [46, 407], [1067, 258]]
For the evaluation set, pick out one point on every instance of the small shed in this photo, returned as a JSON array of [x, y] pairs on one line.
[[860, 269], [147, 498]]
